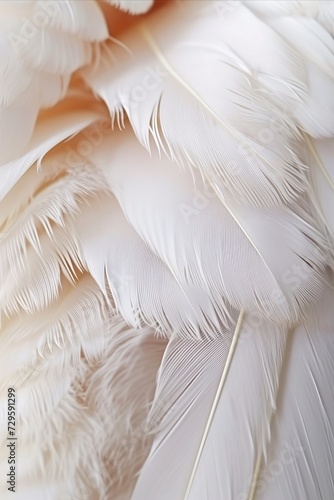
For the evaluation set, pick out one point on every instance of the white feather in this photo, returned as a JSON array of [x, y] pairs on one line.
[[42, 44], [207, 228], [192, 375], [245, 239], [132, 6]]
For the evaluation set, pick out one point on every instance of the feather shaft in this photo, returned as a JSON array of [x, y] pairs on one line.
[[216, 400]]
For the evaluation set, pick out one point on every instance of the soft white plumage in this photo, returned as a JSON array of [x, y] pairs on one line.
[[166, 249]]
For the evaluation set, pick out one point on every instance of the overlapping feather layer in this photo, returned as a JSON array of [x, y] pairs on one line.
[[166, 256]]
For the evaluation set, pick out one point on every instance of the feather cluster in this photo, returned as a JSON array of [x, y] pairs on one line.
[[166, 248]]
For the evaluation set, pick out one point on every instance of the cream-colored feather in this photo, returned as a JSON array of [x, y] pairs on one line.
[[166, 249], [43, 43]]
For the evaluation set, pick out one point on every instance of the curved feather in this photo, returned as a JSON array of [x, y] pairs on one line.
[[208, 464], [213, 241], [43, 43], [226, 103], [54, 126], [182, 225], [119, 258], [300, 452], [132, 6]]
